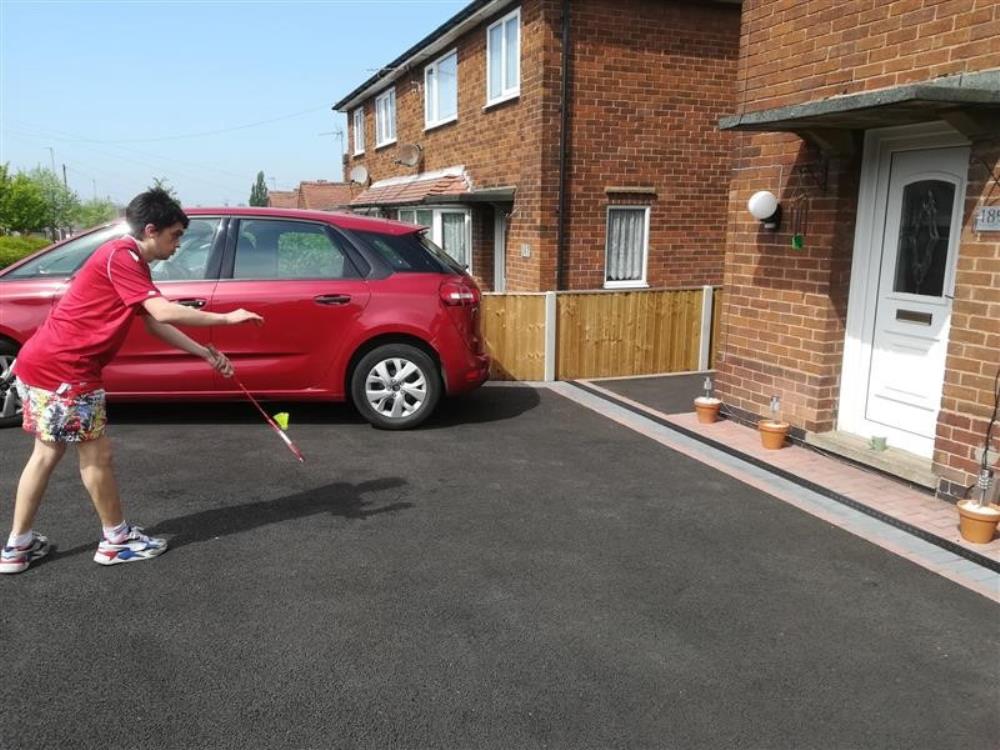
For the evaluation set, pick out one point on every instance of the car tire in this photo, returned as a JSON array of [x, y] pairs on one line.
[[10, 403], [396, 386]]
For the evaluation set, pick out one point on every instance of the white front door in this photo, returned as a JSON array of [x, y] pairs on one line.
[[894, 383]]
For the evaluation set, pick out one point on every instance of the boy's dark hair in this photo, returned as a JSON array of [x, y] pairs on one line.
[[157, 207]]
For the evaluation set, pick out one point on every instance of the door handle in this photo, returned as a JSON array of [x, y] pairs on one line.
[[332, 299], [195, 303]]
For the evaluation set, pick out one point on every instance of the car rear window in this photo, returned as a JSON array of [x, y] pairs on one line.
[[409, 253]]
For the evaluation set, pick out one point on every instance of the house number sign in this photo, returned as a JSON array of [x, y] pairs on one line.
[[988, 219]]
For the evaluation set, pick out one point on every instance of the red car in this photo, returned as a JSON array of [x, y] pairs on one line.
[[355, 307]]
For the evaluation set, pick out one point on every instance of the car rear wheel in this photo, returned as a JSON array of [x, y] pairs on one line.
[[10, 403], [396, 386]]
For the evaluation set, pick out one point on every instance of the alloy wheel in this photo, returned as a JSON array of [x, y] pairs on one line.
[[396, 387]]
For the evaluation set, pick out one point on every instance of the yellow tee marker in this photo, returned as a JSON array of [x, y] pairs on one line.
[[282, 419]]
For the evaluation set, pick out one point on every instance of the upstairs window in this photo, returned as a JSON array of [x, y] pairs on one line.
[[503, 58], [385, 118], [441, 90], [359, 131]]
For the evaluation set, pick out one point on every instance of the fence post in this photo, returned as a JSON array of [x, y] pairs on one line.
[[550, 336], [705, 342]]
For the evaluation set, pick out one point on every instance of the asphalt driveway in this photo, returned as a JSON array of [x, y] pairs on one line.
[[521, 573]]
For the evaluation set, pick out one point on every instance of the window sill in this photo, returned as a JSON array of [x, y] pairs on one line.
[[502, 100], [379, 146], [626, 285], [356, 154], [434, 125]]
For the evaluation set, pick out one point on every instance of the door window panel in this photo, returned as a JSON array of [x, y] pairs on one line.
[[924, 230], [289, 250], [190, 261]]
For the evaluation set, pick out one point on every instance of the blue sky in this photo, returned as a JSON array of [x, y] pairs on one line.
[[126, 91]]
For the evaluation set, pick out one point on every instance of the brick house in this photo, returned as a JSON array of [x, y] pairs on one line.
[[464, 132], [873, 309], [317, 195]]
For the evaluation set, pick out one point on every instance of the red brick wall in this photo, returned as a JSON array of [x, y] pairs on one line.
[[785, 310], [650, 83], [500, 146], [974, 342], [797, 51]]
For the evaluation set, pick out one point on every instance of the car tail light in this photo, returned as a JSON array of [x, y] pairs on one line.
[[459, 294]]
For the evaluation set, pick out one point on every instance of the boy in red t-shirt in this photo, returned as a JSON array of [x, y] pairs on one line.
[[59, 375]]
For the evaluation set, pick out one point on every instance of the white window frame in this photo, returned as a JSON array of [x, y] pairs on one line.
[[505, 93], [436, 228], [629, 283], [385, 121], [429, 120], [359, 131]]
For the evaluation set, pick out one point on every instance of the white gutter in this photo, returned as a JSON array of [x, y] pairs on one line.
[[426, 53]]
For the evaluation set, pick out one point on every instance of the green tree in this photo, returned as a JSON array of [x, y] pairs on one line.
[[61, 202], [23, 208], [94, 212], [164, 184], [258, 192]]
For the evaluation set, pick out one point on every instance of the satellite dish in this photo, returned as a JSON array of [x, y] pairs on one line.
[[409, 155], [359, 175]]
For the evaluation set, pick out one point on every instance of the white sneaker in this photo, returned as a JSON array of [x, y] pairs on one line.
[[134, 547], [17, 559]]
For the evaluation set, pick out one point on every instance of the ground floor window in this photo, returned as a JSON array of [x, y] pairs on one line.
[[627, 246], [449, 228]]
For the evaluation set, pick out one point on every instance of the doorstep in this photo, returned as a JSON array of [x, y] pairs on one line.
[[894, 461]]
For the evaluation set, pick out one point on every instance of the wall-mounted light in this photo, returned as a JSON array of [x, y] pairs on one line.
[[764, 207]]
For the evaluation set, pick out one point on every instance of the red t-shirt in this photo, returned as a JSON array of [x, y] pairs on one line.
[[88, 326]]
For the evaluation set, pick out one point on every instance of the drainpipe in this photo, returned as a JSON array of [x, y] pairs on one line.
[[563, 146]]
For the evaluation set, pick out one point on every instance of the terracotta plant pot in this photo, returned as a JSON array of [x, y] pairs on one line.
[[707, 409], [977, 523], [772, 434]]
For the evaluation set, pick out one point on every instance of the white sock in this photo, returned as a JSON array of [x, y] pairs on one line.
[[116, 534], [19, 541]]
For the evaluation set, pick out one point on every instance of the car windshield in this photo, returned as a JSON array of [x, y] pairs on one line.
[[65, 259], [410, 253]]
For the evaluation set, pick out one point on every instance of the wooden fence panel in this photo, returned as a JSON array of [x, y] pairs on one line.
[[608, 334], [514, 332]]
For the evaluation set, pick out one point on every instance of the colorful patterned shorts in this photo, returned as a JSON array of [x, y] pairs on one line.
[[63, 419]]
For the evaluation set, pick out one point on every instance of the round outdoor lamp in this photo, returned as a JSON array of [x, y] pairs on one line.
[[764, 207]]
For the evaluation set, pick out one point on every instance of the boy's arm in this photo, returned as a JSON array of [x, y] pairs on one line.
[[165, 311], [175, 338]]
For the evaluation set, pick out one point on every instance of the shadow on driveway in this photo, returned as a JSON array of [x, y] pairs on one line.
[[482, 405], [338, 499]]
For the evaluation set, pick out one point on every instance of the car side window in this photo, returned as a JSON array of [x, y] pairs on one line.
[[190, 261], [66, 259], [278, 249]]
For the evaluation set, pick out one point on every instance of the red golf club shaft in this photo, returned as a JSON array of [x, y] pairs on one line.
[[274, 425]]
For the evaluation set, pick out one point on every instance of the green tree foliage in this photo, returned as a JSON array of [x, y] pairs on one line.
[[61, 203], [258, 192], [164, 184], [14, 248], [94, 212], [24, 207]]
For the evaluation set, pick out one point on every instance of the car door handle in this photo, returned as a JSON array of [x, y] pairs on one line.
[[332, 299], [195, 303]]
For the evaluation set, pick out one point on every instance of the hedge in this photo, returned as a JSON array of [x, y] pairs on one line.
[[14, 248]]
